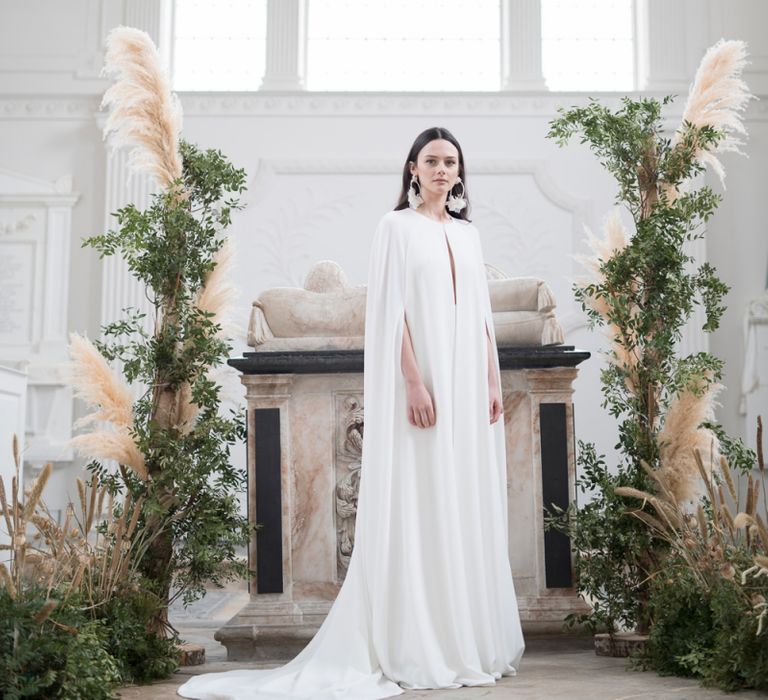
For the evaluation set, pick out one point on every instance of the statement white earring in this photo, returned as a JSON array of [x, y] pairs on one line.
[[415, 200], [456, 202]]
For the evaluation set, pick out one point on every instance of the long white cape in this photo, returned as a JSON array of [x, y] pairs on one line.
[[428, 600]]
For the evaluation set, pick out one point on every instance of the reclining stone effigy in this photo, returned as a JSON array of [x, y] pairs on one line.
[[329, 313]]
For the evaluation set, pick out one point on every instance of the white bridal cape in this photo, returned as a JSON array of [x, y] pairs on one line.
[[428, 600]]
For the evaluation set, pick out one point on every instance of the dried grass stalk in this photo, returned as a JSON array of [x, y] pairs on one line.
[[751, 496], [7, 581], [635, 493], [44, 612], [728, 517], [661, 480], [702, 522], [6, 509], [761, 528], [81, 494], [91, 505], [36, 491], [725, 470]]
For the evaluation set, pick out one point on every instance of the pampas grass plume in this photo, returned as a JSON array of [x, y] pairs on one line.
[[681, 436], [717, 96], [217, 292], [117, 445], [97, 384], [615, 238], [144, 114], [213, 297]]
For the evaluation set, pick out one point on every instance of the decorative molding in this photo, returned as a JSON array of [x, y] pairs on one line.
[[35, 249], [17, 226], [31, 107], [335, 104], [502, 103], [29, 201], [81, 61]]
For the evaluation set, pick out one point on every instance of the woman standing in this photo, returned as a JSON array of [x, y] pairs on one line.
[[428, 600]]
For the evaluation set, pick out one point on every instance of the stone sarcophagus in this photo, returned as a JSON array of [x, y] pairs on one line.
[[306, 415]]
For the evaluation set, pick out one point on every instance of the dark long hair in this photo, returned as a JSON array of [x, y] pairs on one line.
[[434, 132]]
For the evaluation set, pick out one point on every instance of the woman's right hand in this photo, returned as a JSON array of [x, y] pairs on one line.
[[420, 410]]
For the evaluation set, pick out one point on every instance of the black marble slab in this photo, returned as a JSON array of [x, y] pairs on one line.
[[331, 361]]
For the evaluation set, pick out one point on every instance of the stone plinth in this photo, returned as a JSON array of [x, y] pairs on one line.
[[305, 418], [620, 644]]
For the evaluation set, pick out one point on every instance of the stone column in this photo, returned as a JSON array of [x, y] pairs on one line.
[[670, 40], [521, 45], [298, 453], [538, 415], [119, 288], [286, 63]]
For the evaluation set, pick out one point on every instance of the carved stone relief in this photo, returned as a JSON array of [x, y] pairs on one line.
[[349, 451]]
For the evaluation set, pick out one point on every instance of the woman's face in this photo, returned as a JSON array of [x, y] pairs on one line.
[[437, 167]]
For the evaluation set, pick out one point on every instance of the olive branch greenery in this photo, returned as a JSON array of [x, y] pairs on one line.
[[190, 495], [644, 294]]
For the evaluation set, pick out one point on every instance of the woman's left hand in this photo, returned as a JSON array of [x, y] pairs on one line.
[[495, 404]]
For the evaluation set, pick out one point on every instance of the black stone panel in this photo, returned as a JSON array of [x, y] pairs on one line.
[[265, 424], [554, 479], [331, 361]]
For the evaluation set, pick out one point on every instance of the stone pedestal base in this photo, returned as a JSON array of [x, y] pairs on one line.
[[620, 645], [305, 428], [545, 614], [192, 655]]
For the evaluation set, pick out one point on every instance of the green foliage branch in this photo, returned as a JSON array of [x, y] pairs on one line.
[[190, 497], [645, 294]]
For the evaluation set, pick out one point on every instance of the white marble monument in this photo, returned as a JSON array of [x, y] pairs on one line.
[[304, 389]]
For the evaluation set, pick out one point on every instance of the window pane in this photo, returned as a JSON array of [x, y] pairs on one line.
[[219, 45], [588, 44], [403, 45]]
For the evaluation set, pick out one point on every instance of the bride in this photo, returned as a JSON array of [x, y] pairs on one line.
[[428, 600]]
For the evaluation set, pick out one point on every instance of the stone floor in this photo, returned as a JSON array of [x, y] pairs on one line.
[[552, 667]]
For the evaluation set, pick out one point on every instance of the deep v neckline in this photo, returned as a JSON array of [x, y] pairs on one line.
[[451, 260]]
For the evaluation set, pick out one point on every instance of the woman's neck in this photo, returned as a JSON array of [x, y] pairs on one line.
[[434, 208]]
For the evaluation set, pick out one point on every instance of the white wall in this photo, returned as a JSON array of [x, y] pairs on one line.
[[13, 390], [335, 160]]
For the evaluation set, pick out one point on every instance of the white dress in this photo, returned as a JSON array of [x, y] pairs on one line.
[[428, 600]]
